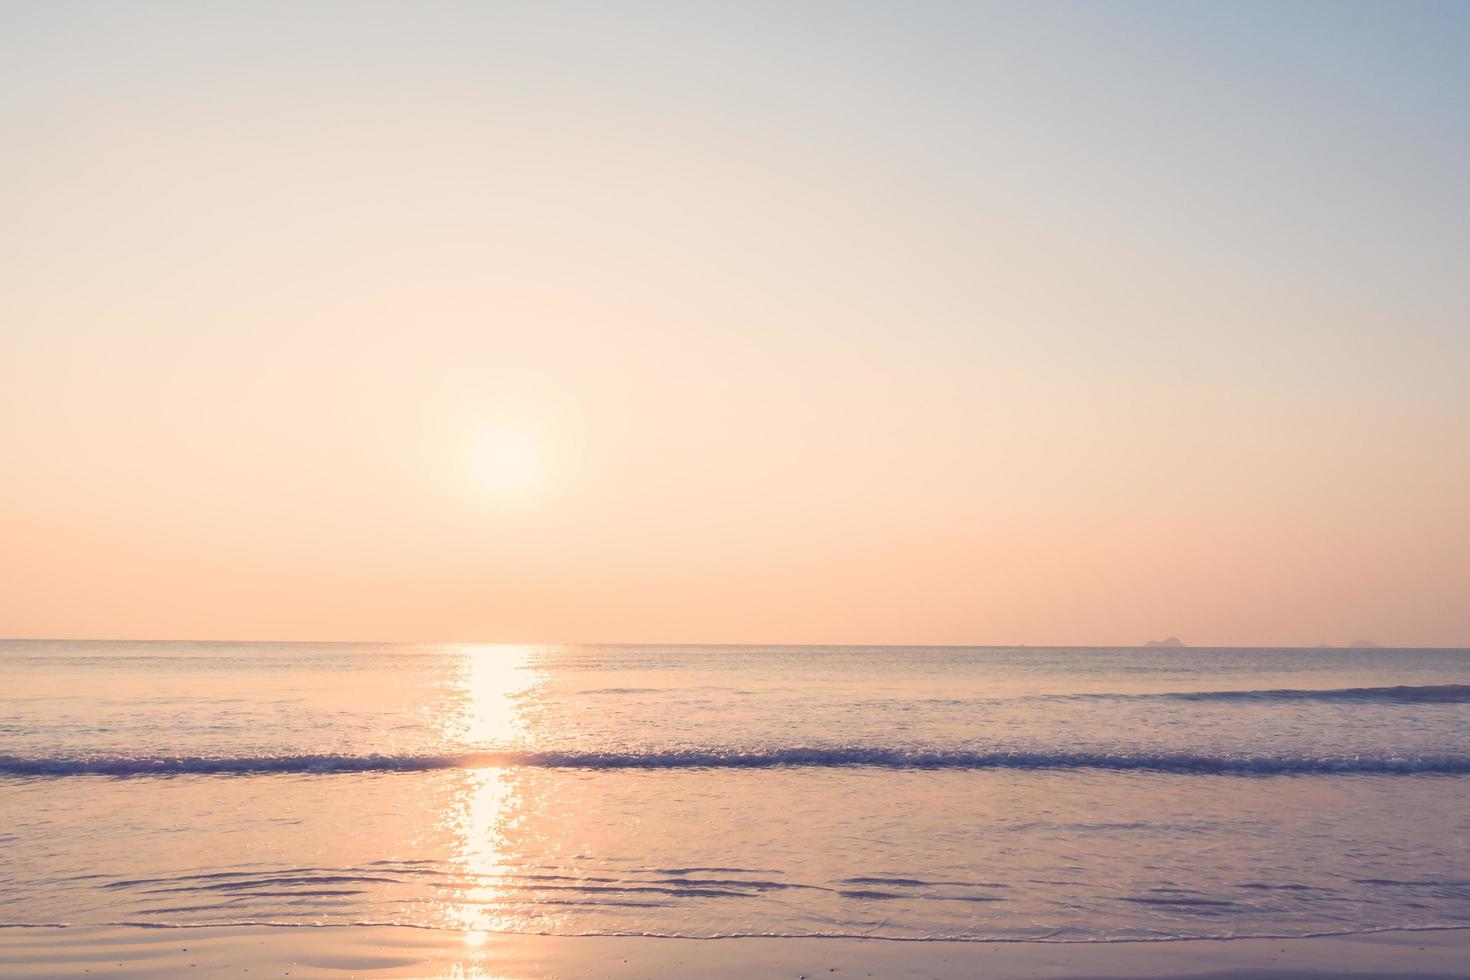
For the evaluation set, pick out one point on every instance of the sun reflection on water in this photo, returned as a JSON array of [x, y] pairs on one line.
[[494, 688], [492, 684], [483, 817]]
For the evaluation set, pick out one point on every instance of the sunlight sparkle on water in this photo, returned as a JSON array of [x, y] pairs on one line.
[[490, 679], [489, 682]]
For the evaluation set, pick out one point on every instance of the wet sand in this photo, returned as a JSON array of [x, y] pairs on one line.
[[388, 951]]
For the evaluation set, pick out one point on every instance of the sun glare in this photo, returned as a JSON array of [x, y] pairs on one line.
[[506, 460]]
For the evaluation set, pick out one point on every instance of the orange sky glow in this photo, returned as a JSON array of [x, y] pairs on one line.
[[749, 323]]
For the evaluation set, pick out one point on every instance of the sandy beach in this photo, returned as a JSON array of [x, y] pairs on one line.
[[106, 951]]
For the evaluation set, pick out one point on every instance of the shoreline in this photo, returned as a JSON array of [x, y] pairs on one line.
[[405, 951]]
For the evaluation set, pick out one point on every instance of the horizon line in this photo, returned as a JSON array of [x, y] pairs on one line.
[[720, 643]]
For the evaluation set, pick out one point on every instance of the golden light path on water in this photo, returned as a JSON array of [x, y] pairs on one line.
[[494, 683]]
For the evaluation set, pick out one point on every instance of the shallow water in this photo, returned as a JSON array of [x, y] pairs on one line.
[[707, 791]]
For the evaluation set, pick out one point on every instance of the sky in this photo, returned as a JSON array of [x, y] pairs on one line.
[[951, 323]]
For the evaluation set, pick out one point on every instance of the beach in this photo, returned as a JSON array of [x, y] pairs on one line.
[[427, 810], [399, 952]]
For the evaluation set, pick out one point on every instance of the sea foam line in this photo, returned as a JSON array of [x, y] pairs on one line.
[[769, 758], [1053, 938]]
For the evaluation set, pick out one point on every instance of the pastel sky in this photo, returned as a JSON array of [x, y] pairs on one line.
[[912, 322]]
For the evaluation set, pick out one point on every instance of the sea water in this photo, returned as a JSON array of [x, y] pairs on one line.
[[907, 793]]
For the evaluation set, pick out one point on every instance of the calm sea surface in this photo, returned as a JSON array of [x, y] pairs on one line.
[[1044, 794]]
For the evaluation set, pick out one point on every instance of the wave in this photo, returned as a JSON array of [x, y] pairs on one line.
[[768, 758], [1058, 937], [1403, 694]]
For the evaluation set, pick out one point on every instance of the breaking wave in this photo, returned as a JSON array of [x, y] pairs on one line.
[[764, 758], [1426, 694]]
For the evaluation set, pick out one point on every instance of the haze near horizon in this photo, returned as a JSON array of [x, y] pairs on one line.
[[993, 323]]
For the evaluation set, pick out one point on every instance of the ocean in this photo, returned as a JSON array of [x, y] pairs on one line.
[[1021, 794]]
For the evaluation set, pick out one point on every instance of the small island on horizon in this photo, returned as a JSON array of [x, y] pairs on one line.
[[1168, 641]]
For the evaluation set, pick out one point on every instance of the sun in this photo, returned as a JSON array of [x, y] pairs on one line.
[[505, 459]]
